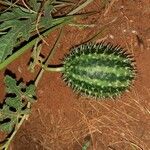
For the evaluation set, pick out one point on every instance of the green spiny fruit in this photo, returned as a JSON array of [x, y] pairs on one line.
[[99, 70]]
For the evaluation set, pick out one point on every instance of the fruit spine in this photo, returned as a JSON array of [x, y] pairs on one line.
[[99, 70]]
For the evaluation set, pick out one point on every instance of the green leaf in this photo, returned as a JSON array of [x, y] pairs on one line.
[[30, 93], [15, 13], [34, 5], [6, 127], [47, 19], [26, 92], [15, 105], [11, 86], [18, 25]]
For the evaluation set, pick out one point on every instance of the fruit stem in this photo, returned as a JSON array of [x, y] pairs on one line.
[[53, 69]]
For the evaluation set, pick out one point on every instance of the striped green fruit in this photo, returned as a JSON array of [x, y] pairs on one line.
[[99, 70]]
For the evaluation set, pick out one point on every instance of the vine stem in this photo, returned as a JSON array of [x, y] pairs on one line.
[[49, 57], [80, 7]]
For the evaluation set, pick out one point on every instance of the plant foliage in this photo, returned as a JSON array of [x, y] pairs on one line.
[[17, 24], [16, 103]]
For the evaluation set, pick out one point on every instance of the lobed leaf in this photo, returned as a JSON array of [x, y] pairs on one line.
[[15, 105], [17, 25]]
